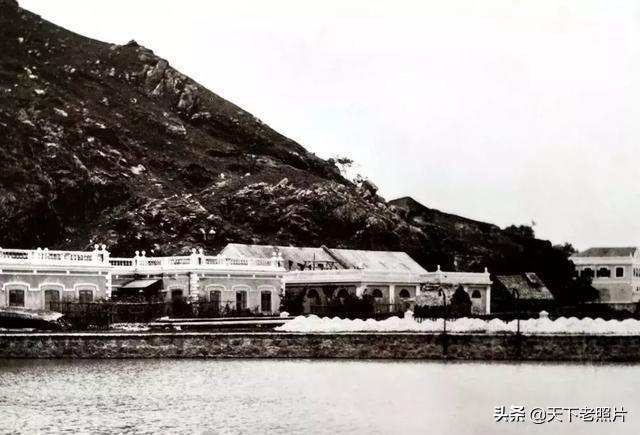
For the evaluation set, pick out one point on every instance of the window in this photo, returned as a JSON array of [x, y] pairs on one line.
[[176, 295], [51, 299], [342, 293], [16, 298], [214, 297], [85, 296], [265, 302], [587, 272], [313, 296], [241, 300], [604, 272], [619, 272], [476, 294], [404, 294], [377, 294]]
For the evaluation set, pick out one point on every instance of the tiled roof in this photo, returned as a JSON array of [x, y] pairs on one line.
[[529, 285], [607, 252], [297, 255], [377, 260], [342, 258]]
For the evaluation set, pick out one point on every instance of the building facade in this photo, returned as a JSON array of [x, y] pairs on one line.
[[439, 287], [394, 280], [241, 278], [253, 284], [615, 272], [39, 279]]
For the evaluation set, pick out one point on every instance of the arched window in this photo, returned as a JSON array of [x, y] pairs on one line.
[[314, 296], [241, 300], [16, 298], [587, 272], [342, 293], [85, 295], [377, 294], [85, 292], [176, 294], [404, 294], [265, 301], [604, 272], [51, 299], [215, 296], [476, 294]]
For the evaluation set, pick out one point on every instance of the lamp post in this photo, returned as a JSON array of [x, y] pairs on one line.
[[445, 346], [516, 295], [444, 304]]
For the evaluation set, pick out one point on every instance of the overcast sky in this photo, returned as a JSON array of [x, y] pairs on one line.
[[501, 111]]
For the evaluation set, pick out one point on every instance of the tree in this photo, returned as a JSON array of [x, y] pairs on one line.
[[342, 163], [460, 303], [524, 231], [566, 248], [578, 291]]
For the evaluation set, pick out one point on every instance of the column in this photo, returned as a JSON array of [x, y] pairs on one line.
[[488, 302], [193, 286], [108, 284]]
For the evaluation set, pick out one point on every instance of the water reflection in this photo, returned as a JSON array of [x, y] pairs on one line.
[[301, 396]]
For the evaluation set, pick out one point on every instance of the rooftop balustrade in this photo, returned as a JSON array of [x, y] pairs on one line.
[[138, 263], [196, 261], [45, 257]]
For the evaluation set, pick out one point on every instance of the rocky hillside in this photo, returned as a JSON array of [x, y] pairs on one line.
[[108, 143], [460, 243]]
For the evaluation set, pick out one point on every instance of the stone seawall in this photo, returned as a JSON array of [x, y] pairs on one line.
[[321, 345]]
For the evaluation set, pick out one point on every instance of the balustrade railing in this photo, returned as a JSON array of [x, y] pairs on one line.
[[121, 262], [197, 260], [99, 256]]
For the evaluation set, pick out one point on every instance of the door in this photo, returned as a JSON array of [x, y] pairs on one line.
[[214, 301], [265, 302], [241, 300], [52, 300]]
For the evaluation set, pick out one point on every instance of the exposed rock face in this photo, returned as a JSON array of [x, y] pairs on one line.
[[108, 143]]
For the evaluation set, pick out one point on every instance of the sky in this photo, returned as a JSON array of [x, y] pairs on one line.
[[509, 112]]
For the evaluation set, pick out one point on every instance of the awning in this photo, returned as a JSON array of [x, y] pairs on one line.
[[140, 284]]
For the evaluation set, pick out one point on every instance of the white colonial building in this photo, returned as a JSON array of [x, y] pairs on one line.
[[615, 272], [393, 279], [38, 279], [241, 277]]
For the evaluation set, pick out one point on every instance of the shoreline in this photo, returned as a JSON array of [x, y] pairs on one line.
[[322, 345]]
